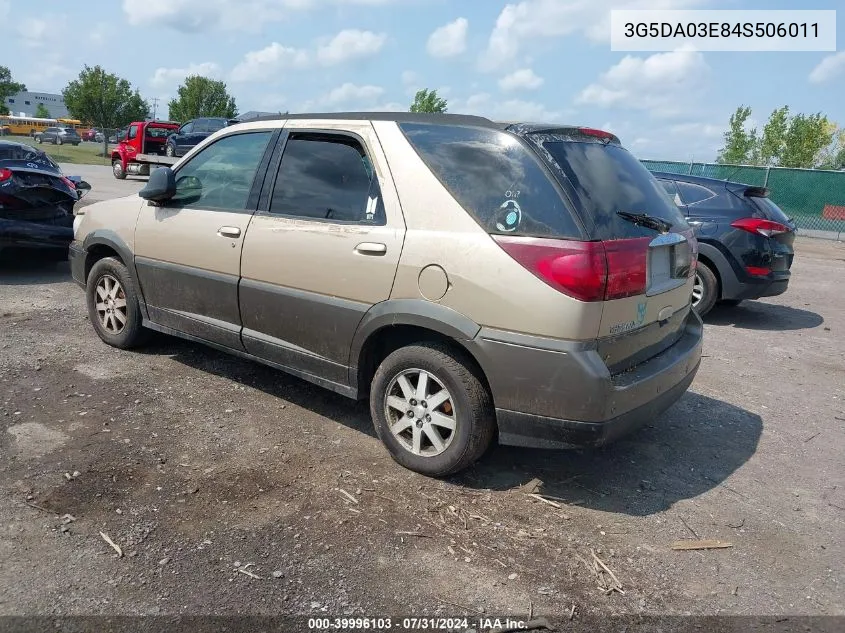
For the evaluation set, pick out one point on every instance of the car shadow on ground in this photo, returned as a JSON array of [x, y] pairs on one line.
[[276, 383], [692, 448], [759, 315], [23, 270]]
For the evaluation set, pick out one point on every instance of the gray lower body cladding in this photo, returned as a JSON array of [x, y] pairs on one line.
[[563, 394]]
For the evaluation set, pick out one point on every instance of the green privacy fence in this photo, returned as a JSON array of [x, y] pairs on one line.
[[813, 198]]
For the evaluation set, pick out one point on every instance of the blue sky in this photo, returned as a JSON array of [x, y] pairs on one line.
[[528, 59]]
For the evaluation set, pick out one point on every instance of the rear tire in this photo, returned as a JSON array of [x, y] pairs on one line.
[[437, 438], [113, 306], [705, 292], [170, 151]]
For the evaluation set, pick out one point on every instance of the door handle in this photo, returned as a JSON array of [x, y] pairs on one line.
[[371, 248], [229, 231]]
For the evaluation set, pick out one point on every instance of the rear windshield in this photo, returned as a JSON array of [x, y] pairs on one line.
[[770, 209], [605, 178], [159, 132], [22, 153], [496, 178]]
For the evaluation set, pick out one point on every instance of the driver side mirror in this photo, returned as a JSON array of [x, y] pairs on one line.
[[161, 186]]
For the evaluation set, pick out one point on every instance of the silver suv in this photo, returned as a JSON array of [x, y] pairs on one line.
[[472, 279]]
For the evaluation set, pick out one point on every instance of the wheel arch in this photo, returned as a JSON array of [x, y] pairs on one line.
[[396, 323], [103, 243]]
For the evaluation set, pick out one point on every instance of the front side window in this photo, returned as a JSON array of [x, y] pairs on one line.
[[327, 177], [133, 131], [221, 175], [187, 128]]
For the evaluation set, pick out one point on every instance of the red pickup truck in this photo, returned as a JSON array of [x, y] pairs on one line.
[[142, 148]]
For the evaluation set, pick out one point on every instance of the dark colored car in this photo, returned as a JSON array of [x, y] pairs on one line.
[[745, 240], [193, 133], [59, 135], [36, 200]]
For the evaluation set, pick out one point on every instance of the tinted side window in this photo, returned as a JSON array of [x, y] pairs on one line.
[[187, 128], [495, 178], [671, 189], [327, 177], [692, 194], [133, 131], [213, 125], [221, 175]]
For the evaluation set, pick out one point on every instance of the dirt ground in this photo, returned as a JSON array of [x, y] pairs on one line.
[[232, 488]]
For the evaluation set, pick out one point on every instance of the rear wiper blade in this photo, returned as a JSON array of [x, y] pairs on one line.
[[648, 221]]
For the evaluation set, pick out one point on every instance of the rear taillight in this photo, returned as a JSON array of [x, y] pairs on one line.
[[68, 182], [5, 174], [588, 271], [590, 131], [767, 228]]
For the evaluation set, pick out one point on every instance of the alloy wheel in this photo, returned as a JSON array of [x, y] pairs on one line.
[[420, 412], [111, 304], [697, 290]]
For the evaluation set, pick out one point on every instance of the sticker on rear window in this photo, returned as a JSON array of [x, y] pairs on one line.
[[510, 215]]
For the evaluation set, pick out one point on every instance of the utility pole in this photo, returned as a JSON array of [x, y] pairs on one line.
[[155, 107]]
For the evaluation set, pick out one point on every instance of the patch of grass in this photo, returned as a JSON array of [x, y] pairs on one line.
[[86, 153]]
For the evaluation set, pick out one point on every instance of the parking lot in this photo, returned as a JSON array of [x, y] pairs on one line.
[[233, 488]]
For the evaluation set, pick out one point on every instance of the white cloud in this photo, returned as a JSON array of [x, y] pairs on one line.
[[171, 77], [665, 84], [829, 68], [196, 16], [449, 40], [409, 78], [34, 32], [483, 104], [350, 44], [524, 79], [351, 93], [531, 19], [268, 61]]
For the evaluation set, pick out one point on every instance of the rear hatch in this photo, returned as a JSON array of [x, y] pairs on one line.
[[767, 220], [648, 249]]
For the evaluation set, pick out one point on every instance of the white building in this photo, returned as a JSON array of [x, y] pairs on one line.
[[25, 103]]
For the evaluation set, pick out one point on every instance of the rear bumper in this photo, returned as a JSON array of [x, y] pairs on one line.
[[20, 234], [757, 289], [561, 394]]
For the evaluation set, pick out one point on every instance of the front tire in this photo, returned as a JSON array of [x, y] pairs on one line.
[[705, 291], [117, 170], [170, 151], [431, 409], [113, 306]]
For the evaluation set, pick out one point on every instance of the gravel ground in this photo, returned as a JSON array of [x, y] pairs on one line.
[[231, 488]]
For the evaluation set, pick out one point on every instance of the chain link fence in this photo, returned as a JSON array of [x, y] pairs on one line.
[[813, 198]]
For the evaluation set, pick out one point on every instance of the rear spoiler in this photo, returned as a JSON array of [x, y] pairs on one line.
[[756, 192]]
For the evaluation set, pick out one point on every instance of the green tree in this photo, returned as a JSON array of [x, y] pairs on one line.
[[8, 88], [773, 141], [806, 140], [740, 146], [200, 96], [42, 112], [428, 101], [104, 100]]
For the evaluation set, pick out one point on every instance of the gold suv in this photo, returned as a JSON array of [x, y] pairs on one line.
[[472, 279]]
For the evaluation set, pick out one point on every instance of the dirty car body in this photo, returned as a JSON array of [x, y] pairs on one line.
[[36, 200]]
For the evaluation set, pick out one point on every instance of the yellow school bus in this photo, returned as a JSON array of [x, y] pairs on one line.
[[24, 125]]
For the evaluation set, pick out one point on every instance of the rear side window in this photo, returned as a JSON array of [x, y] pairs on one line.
[[693, 194], [327, 177], [672, 189], [213, 125], [606, 178], [498, 180]]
